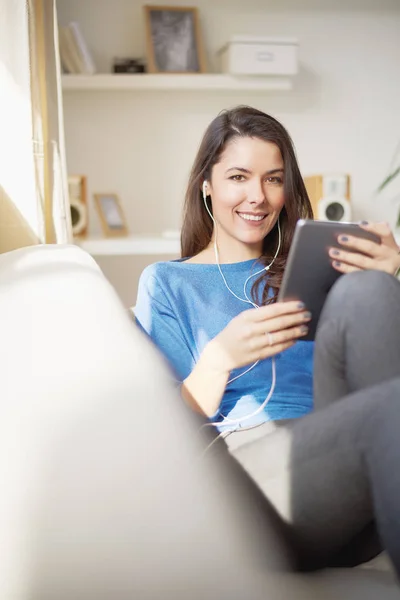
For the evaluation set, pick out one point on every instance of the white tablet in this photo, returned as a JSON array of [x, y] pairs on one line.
[[309, 274]]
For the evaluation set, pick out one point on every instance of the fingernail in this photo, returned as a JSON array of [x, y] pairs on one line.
[[335, 252], [301, 305], [336, 263], [307, 315], [304, 329], [343, 238]]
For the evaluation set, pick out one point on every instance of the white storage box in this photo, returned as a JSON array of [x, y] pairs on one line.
[[254, 55]]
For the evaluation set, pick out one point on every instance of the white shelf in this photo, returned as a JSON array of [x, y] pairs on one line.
[[182, 82], [136, 246], [130, 245]]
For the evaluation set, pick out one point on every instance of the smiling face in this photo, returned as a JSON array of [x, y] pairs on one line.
[[247, 195]]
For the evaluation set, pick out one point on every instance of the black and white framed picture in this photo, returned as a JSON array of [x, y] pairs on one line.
[[174, 43]]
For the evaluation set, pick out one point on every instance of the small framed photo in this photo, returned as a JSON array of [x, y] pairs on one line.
[[111, 215], [174, 43]]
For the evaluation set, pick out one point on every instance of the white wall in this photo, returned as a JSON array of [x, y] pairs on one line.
[[343, 114]]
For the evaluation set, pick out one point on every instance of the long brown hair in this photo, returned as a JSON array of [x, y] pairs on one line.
[[197, 227]]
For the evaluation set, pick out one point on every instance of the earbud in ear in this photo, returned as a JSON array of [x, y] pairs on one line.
[[205, 189]]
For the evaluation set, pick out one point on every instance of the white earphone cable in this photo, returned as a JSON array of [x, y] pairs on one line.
[[237, 422]]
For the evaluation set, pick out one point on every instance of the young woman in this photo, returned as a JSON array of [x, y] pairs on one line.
[[238, 353], [244, 197]]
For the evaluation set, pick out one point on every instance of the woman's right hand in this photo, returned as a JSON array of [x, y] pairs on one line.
[[258, 333], [253, 335]]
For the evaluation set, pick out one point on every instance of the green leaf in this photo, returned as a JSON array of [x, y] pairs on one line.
[[389, 178]]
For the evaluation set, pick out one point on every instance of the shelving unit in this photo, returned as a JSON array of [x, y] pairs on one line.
[[137, 134], [131, 246], [207, 82]]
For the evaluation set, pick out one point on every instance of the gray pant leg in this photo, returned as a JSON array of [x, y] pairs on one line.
[[357, 346], [322, 473], [358, 338]]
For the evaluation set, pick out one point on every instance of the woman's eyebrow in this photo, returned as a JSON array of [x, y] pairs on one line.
[[241, 169], [275, 171], [247, 171]]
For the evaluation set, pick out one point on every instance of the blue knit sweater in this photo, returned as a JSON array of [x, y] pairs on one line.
[[182, 306]]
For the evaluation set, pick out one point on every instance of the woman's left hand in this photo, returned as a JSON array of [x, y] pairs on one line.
[[366, 254]]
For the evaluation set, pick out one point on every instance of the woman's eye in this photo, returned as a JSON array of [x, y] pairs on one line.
[[276, 180], [237, 177]]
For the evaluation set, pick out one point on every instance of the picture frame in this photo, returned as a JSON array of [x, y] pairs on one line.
[[111, 214], [173, 40]]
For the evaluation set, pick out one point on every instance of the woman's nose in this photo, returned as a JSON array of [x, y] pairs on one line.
[[257, 194]]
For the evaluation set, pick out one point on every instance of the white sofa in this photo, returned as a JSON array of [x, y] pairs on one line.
[[102, 493]]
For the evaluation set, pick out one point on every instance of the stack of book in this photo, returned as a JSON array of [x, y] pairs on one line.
[[74, 52]]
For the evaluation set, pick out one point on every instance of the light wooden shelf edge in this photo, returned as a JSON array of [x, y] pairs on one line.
[[166, 82], [131, 245]]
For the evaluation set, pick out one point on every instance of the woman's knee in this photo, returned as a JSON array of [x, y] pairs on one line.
[[362, 288]]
